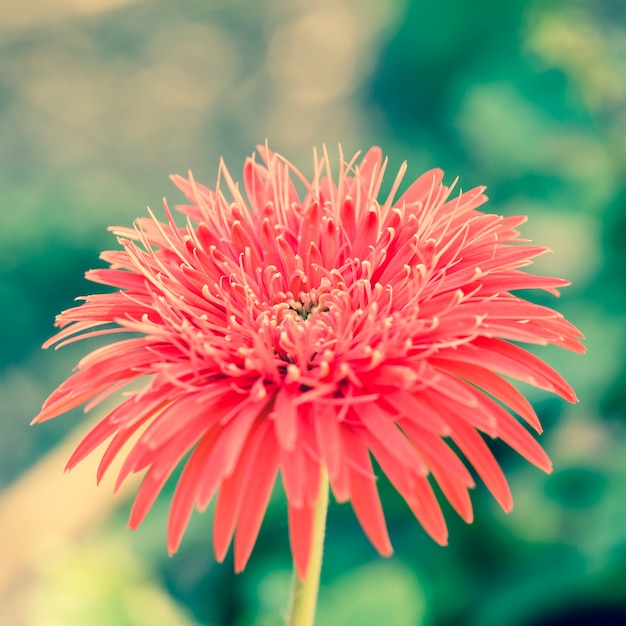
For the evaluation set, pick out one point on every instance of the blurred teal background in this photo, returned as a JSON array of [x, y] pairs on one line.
[[100, 100]]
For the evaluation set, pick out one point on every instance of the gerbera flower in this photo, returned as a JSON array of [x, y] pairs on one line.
[[304, 332]]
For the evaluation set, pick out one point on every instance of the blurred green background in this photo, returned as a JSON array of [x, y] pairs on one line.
[[100, 100]]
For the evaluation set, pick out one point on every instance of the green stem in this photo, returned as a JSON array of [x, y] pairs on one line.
[[304, 592]]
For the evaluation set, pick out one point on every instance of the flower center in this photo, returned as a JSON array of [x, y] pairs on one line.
[[305, 305]]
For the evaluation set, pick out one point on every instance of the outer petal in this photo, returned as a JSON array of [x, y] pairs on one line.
[[364, 496], [301, 535], [258, 491]]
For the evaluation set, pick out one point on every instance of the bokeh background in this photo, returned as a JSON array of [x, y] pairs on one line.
[[100, 100]]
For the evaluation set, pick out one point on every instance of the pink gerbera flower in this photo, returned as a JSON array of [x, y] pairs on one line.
[[305, 332]]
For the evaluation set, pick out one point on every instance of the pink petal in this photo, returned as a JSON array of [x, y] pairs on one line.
[[300, 536], [364, 497], [479, 455], [420, 190], [285, 416], [253, 507], [493, 384], [511, 360], [148, 491], [233, 491], [186, 492], [293, 472], [383, 428], [329, 438], [427, 510]]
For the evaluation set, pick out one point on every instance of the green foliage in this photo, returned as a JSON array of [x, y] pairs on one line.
[[100, 583], [374, 594]]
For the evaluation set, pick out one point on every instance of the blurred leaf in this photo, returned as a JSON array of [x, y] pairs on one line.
[[383, 592], [101, 584]]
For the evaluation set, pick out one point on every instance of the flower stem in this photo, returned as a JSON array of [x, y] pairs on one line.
[[304, 592]]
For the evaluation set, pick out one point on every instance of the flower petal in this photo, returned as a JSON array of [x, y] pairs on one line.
[[364, 496]]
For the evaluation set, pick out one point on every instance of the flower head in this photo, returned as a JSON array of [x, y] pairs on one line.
[[298, 332]]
